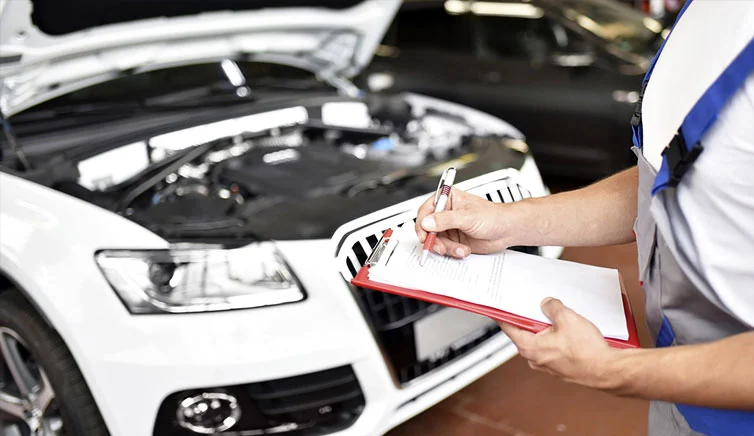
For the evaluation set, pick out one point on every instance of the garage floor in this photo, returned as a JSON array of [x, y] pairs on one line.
[[514, 400]]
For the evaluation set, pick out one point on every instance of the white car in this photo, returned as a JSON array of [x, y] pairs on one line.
[[170, 190]]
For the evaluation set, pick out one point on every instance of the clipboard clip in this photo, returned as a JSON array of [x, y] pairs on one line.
[[380, 248]]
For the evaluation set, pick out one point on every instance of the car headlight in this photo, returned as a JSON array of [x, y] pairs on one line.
[[190, 279]]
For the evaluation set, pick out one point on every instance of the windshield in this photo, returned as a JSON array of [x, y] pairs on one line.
[[177, 88], [626, 28]]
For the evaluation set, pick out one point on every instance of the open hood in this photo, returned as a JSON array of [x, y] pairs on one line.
[[331, 40]]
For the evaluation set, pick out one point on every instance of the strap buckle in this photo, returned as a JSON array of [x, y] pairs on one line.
[[679, 157], [636, 116]]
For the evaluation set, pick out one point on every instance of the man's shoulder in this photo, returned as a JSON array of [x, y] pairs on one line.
[[707, 38]]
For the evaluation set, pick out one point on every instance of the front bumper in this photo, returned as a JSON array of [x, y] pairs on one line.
[[391, 405], [149, 357], [132, 363]]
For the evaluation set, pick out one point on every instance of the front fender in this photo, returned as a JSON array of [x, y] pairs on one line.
[[47, 245]]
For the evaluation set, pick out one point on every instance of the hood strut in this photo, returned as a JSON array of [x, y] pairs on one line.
[[12, 141]]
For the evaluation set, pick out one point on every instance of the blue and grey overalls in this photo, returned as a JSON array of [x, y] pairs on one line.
[[681, 310]]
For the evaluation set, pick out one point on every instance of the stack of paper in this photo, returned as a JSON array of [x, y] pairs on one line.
[[510, 281]]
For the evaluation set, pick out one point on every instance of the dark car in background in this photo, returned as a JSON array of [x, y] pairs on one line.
[[567, 73]]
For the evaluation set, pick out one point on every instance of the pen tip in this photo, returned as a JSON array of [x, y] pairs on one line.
[[423, 258]]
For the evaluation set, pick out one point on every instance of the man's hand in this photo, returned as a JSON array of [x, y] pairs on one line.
[[572, 349], [715, 374], [470, 224]]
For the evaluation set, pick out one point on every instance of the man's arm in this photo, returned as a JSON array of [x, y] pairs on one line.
[[715, 374], [599, 214]]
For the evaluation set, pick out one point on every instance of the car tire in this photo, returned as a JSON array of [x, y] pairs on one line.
[[47, 351]]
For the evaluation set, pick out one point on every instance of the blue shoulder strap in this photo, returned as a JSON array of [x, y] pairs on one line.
[[638, 133], [685, 146], [681, 152]]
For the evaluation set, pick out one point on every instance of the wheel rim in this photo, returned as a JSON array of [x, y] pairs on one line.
[[27, 401]]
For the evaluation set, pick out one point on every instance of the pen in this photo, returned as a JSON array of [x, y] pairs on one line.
[[441, 200]]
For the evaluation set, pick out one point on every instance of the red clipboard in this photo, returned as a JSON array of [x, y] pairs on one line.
[[362, 280]]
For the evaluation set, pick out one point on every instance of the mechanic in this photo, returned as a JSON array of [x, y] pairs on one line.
[[689, 204]]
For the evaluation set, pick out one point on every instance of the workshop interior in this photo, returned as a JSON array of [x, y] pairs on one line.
[[189, 187]]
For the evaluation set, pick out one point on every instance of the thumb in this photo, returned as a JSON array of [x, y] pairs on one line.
[[553, 309], [447, 220]]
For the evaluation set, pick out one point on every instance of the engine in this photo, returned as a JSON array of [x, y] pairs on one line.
[[299, 173]]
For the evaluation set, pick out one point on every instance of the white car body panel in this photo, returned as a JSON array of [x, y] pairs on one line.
[[132, 363], [327, 42]]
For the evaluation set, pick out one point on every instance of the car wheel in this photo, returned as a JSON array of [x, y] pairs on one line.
[[42, 391]]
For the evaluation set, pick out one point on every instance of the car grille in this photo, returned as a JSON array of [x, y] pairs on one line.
[[392, 316], [306, 405]]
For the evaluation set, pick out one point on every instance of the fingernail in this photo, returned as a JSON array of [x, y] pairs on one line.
[[460, 252], [547, 300], [436, 249], [428, 223]]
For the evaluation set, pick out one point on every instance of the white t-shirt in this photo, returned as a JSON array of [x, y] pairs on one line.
[[716, 196]]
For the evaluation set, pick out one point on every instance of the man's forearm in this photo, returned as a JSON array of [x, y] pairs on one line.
[[600, 214], [716, 374]]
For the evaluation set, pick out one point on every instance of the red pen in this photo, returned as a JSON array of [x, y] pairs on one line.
[[441, 200]]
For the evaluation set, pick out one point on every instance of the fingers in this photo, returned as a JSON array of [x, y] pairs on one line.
[[456, 249], [525, 342], [446, 246], [428, 207], [447, 220], [520, 337], [528, 346], [554, 310], [425, 209]]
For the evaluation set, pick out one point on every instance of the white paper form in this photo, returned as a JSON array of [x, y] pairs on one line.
[[476, 279], [511, 281], [592, 292]]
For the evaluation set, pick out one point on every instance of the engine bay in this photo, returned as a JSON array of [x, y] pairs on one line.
[[293, 173]]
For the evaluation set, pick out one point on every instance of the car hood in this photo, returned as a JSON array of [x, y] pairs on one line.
[[35, 65]]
